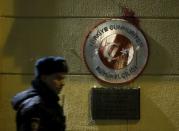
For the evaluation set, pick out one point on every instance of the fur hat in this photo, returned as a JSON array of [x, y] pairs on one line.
[[50, 65]]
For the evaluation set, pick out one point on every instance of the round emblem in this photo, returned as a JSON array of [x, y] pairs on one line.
[[115, 51]]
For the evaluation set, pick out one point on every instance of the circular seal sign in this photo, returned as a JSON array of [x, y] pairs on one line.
[[115, 51]]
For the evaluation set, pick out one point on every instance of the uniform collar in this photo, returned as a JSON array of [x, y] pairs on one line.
[[44, 91]]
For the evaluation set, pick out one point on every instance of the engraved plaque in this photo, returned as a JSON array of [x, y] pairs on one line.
[[115, 104]]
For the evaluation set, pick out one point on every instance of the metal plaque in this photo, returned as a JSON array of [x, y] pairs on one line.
[[115, 104], [115, 51]]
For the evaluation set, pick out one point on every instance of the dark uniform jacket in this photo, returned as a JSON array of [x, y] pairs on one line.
[[38, 109]]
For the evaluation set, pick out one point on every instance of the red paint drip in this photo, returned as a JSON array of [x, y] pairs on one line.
[[129, 15]]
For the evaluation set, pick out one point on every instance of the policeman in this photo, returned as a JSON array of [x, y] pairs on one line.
[[37, 107]]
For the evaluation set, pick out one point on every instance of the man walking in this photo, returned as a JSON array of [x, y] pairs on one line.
[[37, 107]]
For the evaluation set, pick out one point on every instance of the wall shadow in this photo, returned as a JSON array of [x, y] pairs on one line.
[[152, 118], [160, 60], [31, 37]]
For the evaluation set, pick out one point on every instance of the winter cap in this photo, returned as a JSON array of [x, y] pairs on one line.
[[50, 65]]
